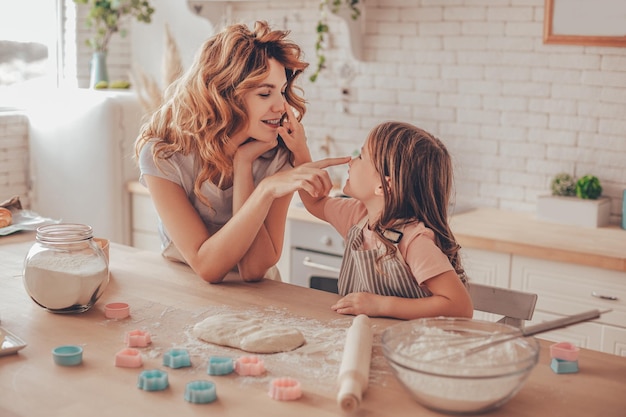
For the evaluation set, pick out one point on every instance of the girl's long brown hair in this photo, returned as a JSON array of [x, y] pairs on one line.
[[418, 169], [204, 108]]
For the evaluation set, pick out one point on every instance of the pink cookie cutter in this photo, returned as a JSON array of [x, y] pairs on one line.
[[116, 311], [249, 366], [564, 351], [137, 338], [285, 389], [128, 358]]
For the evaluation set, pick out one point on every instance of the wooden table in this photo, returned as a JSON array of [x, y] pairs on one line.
[[167, 299]]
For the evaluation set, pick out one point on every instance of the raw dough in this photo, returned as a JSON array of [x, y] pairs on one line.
[[249, 334]]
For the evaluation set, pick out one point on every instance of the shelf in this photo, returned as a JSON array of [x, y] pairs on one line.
[[221, 10], [356, 29]]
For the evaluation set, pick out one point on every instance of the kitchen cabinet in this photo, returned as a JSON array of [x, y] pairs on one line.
[[489, 268], [563, 265], [568, 289], [562, 288], [144, 219]]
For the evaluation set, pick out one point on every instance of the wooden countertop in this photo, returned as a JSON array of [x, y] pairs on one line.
[[167, 299], [522, 234]]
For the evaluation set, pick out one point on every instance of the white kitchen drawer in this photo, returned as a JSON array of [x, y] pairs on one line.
[[614, 340], [316, 237], [486, 267], [144, 215], [586, 335], [568, 289]]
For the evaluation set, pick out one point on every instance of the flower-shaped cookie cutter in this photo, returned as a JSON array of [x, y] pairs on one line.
[[220, 365], [116, 311], [565, 351], [128, 358], [285, 389], [176, 358], [67, 355], [200, 392], [152, 380], [249, 366], [137, 338]]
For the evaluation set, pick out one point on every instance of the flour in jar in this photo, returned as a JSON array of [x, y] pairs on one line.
[[248, 334], [61, 282]]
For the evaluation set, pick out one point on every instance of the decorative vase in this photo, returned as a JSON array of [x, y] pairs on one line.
[[98, 69]]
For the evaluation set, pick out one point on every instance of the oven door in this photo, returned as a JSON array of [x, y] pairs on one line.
[[314, 269]]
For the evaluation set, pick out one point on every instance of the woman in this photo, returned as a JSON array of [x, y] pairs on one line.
[[217, 160]]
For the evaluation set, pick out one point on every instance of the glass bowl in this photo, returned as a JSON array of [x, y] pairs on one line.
[[429, 357]]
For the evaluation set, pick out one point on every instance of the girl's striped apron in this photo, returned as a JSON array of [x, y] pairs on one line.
[[359, 274]]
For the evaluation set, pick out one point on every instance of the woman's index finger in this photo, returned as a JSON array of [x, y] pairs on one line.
[[329, 162]]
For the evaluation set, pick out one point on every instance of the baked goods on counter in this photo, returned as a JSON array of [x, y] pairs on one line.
[[6, 218]]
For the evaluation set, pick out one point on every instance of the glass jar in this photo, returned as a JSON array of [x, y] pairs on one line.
[[65, 271]]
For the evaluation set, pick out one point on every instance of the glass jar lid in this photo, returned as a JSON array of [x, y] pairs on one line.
[[64, 232]]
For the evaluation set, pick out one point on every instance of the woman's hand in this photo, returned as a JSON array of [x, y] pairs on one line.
[[310, 177], [294, 137], [252, 149]]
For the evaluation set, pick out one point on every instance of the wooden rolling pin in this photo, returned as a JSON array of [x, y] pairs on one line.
[[355, 364]]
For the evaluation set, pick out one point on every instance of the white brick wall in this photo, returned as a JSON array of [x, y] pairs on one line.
[[14, 165], [512, 110]]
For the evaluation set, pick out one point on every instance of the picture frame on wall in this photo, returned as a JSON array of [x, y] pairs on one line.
[[584, 22]]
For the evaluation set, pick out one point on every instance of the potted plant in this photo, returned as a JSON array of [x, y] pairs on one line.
[[107, 17], [575, 202]]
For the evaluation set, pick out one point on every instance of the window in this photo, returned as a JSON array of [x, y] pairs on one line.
[[28, 48]]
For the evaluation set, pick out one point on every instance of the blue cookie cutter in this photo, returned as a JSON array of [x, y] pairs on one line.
[[220, 365], [560, 366], [153, 380], [67, 355], [176, 358], [200, 392]]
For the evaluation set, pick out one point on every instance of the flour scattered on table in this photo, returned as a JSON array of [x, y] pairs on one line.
[[248, 334]]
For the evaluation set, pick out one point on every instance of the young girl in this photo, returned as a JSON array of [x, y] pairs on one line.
[[219, 177], [401, 258]]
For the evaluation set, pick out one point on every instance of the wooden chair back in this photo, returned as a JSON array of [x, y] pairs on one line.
[[515, 306]]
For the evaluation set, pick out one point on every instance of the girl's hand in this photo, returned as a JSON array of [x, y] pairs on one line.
[[294, 137], [359, 303]]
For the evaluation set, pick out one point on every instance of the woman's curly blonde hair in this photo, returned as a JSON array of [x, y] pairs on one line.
[[204, 108]]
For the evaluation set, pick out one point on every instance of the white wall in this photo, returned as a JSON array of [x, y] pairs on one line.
[[14, 157], [512, 110]]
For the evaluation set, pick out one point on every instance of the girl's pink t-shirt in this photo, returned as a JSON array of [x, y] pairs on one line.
[[417, 246]]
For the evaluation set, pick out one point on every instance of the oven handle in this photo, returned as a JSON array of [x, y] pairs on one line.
[[307, 262]]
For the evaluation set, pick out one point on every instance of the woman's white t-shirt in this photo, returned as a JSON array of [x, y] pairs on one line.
[[183, 170]]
